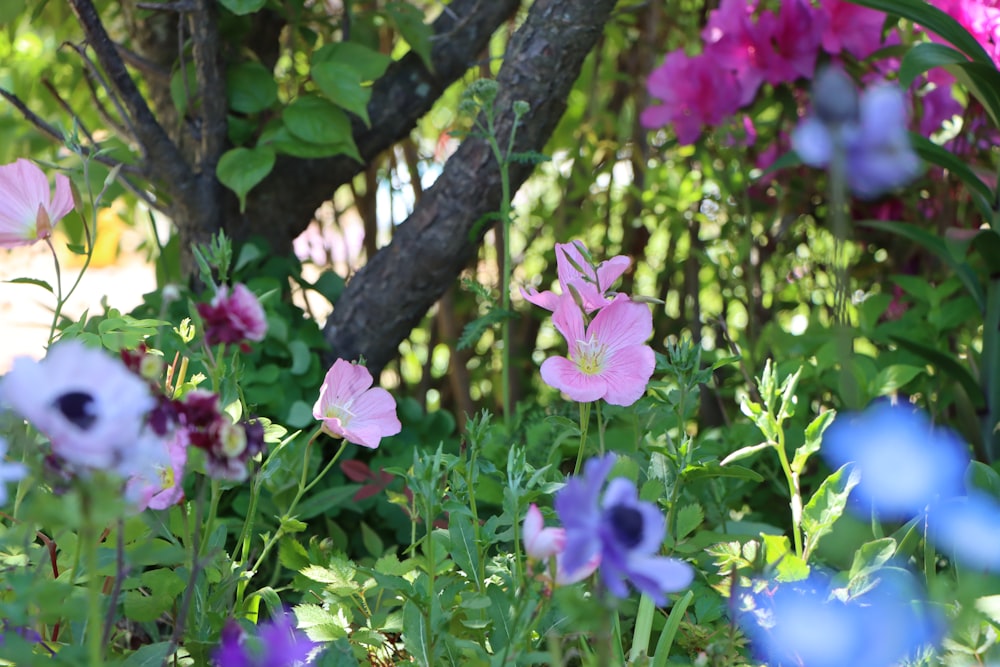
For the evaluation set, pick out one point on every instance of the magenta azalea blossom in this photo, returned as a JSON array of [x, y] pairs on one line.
[[28, 210], [591, 284], [350, 408], [607, 358]]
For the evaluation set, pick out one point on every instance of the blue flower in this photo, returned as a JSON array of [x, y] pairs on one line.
[[625, 532], [968, 529], [904, 461], [876, 145], [878, 622], [278, 644]]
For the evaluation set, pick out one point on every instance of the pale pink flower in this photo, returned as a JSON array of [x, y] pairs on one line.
[[28, 211], [591, 284], [233, 316], [350, 408], [607, 358], [158, 485], [541, 543]]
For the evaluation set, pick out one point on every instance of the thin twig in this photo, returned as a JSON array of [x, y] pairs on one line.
[[95, 72], [102, 110], [181, 6], [68, 109]]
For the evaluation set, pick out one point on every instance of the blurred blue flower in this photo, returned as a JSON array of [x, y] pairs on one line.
[[277, 644], [879, 622], [968, 529], [905, 462], [626, 532], [872, 132]]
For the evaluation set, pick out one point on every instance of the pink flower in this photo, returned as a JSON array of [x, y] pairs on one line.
[[851, 28], [351, 409], [734, 42], [541, 543], [607, 358], [158, 486], [794, 35], [28, 211], [233, 317], [578, 274], [695, 91]]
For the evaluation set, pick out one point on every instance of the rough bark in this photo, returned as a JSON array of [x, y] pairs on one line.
[[391, 293]]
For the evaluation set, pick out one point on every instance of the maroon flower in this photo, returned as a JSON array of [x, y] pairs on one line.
[[227, 446], [233, 316]]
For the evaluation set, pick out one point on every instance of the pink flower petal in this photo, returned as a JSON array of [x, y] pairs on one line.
[[627, 374], [562, 374], [621, 323]]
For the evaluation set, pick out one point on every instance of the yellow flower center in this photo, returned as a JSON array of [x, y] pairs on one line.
[[590, 356]]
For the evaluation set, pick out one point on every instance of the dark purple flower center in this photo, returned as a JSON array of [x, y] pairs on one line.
[[77, 408], [627, 525]]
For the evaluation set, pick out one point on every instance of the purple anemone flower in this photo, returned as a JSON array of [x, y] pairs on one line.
[[277, 644], [627, 534]]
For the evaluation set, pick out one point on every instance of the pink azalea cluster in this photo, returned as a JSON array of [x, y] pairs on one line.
[[28, 209], [233, 316], [980, 17], [605, 331], [745, 48], [350, 408]]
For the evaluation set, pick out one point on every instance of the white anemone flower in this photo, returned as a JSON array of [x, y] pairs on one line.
[[91, 407]]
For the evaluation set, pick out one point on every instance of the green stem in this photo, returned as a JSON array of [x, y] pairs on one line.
[[600, 429], [89, 536], [850, 392], [795, 502], [584, 424]]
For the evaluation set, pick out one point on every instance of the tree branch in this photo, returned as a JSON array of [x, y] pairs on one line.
[[407, 91], [168, 165], [391, 293], [211, 84]]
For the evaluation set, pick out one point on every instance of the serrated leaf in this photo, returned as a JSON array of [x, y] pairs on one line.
[[827, 505], [689, 518], [240, 169], [292, 555]]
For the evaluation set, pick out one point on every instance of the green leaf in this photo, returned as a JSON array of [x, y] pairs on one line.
[[827, 505], [241, 7], [410, 22], [714, 469], [666, 640], [981, 78], [415, 634], [143, 608], [31, 281], [945, 362], [150, 655], [250, 88], [814, 437], [330, 284], [500, 614], [744, 452], [341, 84], [891, 378], [689, 518], [240, 169], [778, 554], [937, 247], [368, 63], [463, 546], [983, 477], [931, 152], [301, 357], [317, 120], [932, 19], [871, 556]]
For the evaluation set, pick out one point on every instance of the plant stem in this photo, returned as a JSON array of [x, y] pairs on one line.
[[584, 423], [89, 536], [795, 495]]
